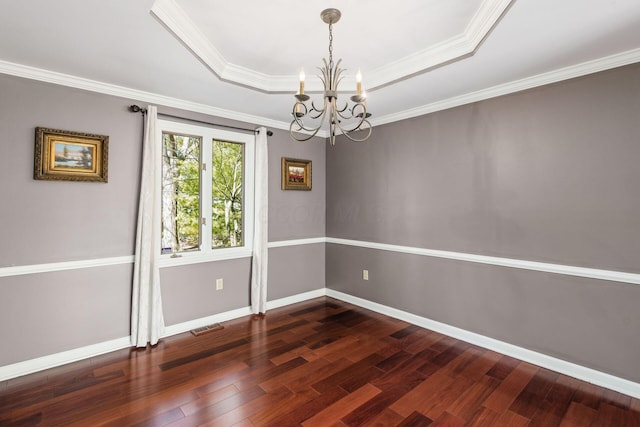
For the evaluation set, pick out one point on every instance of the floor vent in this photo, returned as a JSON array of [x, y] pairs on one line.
[[208, 328]]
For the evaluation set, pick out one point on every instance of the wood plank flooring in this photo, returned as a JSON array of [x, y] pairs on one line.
[[318, 363]]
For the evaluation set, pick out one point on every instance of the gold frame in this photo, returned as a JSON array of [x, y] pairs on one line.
[[85, 156], [301, 180]]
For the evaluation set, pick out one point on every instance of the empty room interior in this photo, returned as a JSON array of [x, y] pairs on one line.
[[320, 213]]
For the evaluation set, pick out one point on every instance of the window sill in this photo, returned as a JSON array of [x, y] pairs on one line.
[[196, 258]]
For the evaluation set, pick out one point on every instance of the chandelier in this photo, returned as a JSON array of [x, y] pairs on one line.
[[345, 119]]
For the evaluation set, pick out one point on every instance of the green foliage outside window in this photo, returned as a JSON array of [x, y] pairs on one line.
[[180, 193], [181, 189], [227, 194]]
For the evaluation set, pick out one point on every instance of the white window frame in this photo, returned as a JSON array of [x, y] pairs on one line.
[[206, 253]]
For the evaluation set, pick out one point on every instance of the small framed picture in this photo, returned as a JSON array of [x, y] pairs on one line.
[[70, 156], [296, 174]]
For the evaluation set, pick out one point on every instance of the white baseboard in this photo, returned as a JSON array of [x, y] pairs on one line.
[[240, 312], [51, 361], [282, 302], [179, 328], [602, 379], [58, 359], [593, 376]]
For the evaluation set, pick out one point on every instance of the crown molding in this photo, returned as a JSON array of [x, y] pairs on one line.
[[176, 20], [62, 79], [485, 19], [448, 51], [579, 70]]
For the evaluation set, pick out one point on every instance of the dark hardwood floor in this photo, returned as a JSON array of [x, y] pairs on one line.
[[317, 363]]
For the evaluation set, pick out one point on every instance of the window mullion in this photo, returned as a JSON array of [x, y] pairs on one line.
[[205, 192]]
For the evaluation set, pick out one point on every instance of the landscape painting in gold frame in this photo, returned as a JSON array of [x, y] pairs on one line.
[[70, 156], [296, 174]]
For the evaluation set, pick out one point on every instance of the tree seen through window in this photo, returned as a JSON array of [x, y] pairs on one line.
[[183, 214]]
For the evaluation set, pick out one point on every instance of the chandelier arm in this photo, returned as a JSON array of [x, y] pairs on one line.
[[319, 110], [362, 118], [301, 127], [346, 106], [366, 128], [368, 134], [296, 112], [352, 111], [306, 137], [297, 119]]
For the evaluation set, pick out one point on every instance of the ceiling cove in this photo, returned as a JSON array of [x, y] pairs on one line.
[[463, 41]]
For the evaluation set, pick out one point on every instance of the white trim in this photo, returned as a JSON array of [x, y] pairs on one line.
[[187, 258], [207, 135], [602, 379], [180, 328], [240, 312], [68, 80], [297, 242], [447, 51], [166, 261], [585, 68], [580, 372], [176, 20], [66, 265], [305, 296], [592, 273], [51, 361], [58, 359]]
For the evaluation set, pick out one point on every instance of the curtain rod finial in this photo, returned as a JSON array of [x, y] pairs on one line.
[[269, 133], [137, 109]]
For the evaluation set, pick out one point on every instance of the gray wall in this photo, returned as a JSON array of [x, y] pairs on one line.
[[545, 175], [47, 222], [550, 174]]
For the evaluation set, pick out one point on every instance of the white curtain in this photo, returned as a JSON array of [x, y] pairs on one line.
[[259, 266], [147, 321]]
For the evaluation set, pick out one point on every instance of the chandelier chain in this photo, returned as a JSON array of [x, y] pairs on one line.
[[331, 43]]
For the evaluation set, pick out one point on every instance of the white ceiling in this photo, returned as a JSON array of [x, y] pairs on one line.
[[241, 59]]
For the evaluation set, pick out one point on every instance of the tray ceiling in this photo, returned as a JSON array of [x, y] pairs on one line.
[[241, 59]]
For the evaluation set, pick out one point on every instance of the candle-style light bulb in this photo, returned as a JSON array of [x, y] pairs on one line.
[[358, 83], [301, 82]]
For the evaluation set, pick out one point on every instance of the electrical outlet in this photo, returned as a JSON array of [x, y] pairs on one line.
[[365, 274], [219, 284]]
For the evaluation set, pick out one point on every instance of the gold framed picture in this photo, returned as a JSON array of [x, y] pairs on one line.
[[296, 174], [62, 155]]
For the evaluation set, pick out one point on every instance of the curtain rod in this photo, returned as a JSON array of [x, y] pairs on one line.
[[137, 109]]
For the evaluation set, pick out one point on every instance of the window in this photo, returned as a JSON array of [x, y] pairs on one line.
[[207, 191]]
